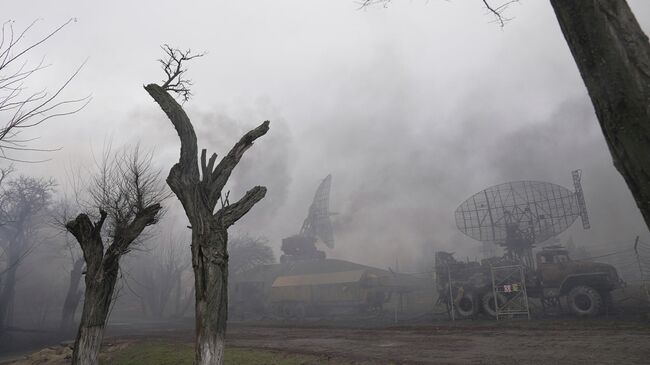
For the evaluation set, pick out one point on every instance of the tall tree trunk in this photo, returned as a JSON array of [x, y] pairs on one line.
[[97, 303], [613, 56], [211, 295], [73, 296]]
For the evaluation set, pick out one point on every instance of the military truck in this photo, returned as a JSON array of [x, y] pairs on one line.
[[585, 285]]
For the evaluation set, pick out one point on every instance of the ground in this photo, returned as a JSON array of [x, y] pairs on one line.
[[553, 341]]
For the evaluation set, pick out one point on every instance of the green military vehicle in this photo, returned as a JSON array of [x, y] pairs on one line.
[[517, 216], [586, 285]]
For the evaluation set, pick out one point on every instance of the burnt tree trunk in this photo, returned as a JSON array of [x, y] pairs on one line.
[[102, 270], [73, 296], [613, 56], [199, 192]]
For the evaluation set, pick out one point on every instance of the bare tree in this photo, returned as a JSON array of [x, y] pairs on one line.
[[199, 192], [160, 278], [73, 295], [247, 252], [23, 204], [21, 108], [126, 192]]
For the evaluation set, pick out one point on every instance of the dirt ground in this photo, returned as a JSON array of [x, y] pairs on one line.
[[553, 341], [476, 342]]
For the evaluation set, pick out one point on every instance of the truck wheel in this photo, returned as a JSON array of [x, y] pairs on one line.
[[584, 301], [488, 303], [467, 306]]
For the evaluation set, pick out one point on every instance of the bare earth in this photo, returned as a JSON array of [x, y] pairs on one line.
[[478, 342], [552, 341]]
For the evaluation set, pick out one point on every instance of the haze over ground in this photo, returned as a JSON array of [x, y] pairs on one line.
[[412, 108]]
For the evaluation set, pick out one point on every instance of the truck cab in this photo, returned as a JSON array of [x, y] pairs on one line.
[[586, 284]]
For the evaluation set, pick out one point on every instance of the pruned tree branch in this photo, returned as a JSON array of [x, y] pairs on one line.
[[186, 169], [88, 234], [215, 179], [233, 212]]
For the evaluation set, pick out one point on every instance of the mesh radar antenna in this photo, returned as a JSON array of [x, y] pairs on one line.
[[318, 223], [518, 215], [316, 226]]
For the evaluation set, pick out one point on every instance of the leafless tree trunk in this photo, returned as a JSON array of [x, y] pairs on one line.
[[23, 202], [127, 194], [160, 278], [183, 303], [199, 191], [73, 296], [613, 56], [8, 291]]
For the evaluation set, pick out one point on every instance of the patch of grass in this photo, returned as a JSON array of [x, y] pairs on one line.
[[149, 353], [158, 353]]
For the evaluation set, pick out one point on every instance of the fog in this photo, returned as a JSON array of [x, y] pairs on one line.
[[412, 108]]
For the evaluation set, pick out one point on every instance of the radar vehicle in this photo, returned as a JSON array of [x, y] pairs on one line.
[[519, 216]]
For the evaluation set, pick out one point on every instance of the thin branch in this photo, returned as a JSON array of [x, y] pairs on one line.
[[496, 11], [27, 111], [174, 69]]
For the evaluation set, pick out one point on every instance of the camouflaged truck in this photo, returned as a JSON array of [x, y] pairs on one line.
[[585, 285]]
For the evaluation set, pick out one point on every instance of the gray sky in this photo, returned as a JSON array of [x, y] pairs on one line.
[[413, 108]]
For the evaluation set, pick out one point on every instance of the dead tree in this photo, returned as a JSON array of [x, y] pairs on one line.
[[73, 296], [127, 194], [23, 203], [247, 252], [20, 109], [160, 278], [613, 56], [199, 192]]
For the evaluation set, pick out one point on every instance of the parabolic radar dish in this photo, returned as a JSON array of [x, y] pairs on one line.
[[529, 212]]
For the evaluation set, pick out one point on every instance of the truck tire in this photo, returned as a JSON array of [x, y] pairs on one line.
[[585, 301], [487, 303], [467, 306]]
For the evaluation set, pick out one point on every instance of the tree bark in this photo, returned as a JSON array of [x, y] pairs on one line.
[[102, 269], [613, 56], [97, 302], [199, 192], [73, 296]]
